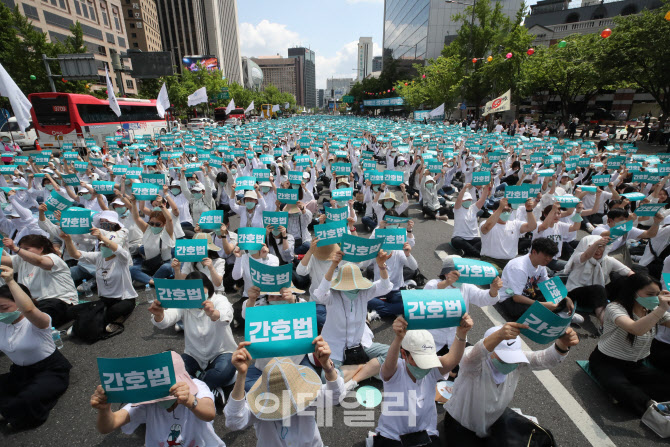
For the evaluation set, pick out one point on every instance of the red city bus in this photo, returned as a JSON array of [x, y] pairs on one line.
[[70, 118], [221, 117]]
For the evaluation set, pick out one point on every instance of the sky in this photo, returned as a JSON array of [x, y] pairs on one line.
[[331, 28]]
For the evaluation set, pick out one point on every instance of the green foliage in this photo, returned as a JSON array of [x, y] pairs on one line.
[[21, 49], [638, 52]]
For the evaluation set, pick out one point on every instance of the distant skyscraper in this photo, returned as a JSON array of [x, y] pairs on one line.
[[201, 28], [308, 66], [320, 96], [283, 73], [364, 57], [338, 87], [141, 17], [377, 63]]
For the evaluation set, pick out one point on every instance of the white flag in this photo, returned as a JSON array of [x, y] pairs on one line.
[[163, 102], [113, 103], [197, 97], [20, 104], [275, 108], [231, 106], [500, 104], [437, 111], [250, 108], [286, 105]]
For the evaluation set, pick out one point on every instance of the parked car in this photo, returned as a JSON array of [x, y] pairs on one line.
[[197, 123], [10, 130]]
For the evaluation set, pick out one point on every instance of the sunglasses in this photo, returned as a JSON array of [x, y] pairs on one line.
[[155, 224]]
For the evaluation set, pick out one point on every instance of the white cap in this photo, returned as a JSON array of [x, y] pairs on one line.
[[118, 202], [421, 345], [175, 183], [467, 196], [250, 195], [509, 351], [198, 187], [110, 216]]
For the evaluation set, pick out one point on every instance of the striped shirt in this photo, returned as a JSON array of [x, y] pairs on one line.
[[615, 343]]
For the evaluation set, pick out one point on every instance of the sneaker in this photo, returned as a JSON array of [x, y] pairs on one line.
[[112, 327], [373, 315], [590, 227], [577, 319], [69, 331], [350, 385], [179, 327], [219, 400], [411, 284]]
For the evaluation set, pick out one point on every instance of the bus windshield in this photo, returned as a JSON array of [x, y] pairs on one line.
[[52, 111]]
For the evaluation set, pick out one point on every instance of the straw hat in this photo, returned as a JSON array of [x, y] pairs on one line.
[[250, 195], [292, 208], [325, 252], [350, 278], [292, 289], [284, 389], [388, 195], [210, 244]]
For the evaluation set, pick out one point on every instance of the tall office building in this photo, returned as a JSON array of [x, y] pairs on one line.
[[377, 63], [141, 17], [308, 66], [284, 73], [364, 57], [320, 96], [202, 27], [417, 30], [101, 22]]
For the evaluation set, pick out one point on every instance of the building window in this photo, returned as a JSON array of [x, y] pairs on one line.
[[103, 13], [77, 7], [30, 12], [136, 45], [102, 50], [133, 35], [117, 22], [132, 25], [91, 10], [129, 83], [62, 4], [130, 13]]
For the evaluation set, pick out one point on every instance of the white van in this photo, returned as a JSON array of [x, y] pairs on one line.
[[11, 130]]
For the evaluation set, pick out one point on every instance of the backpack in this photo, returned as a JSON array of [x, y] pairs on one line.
[[89, 324], [655, 267]]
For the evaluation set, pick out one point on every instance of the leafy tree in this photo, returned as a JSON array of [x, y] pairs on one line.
[[638, 51]]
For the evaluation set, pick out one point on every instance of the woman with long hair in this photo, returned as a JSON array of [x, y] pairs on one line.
[[638, 307]]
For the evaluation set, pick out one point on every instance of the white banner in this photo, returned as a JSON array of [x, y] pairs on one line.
[[499, 104], [250, 108], [197, 97], [162, 102], [275, 108], [113, 103], [231, 106], [437, 111], [20, 104]]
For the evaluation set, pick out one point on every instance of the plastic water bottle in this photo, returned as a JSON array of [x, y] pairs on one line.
[[55, 334], [87, 289], [148, 294]]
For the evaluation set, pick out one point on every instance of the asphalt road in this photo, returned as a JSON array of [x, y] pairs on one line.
[[566, 401]]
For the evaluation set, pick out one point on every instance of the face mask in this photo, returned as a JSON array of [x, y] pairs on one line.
[[86, 196], [253, 252], [274, 303], [49, 187], [197, 195], [156, 230], [576, 218], [276, 233], [191, 183], [430, 186], [106, 252], [450, 165], [128, 181], [466, 205], [222, 184], [648, 302], [418, 373], [505, 216], [166, 404], [156, 208], [295, 186], [265, 189], [502, 367], [375, 188], [393, 226], [175, 191], [250, 205], [388, 204], [121, 210], [9, 317], [571, 175], [351, 294], [242, 165]]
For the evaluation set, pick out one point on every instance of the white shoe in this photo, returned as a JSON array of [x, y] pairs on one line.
[[373, 315], [577, 319], [590, 227], [350, 385], [411, 284], [179, 327]]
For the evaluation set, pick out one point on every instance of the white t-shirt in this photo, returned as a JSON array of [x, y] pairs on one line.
[[557, 233], [45, 284], [634, 233], [590, 199], [502, 242], [417, 406], [520, 276], [178, 428], [465, 222], [152, 242], [113, 276], [24, 343]]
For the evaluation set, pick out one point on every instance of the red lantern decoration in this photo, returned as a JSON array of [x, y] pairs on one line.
[[64, 81], [509, 55], [606, 33], [423, 76], [406, 83], [474, 60], [530, 51], [393, 89], [388, 91]]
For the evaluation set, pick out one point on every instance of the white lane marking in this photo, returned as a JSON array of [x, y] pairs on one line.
[[589, 428]]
